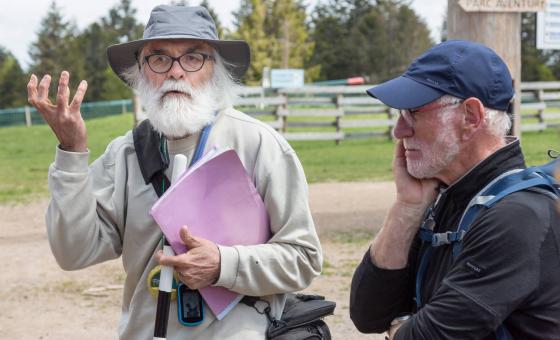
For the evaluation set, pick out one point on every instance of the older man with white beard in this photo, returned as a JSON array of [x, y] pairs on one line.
[[503, 280], [185, 77]]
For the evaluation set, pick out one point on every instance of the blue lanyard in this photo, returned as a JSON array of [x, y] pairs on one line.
[[201, 143]]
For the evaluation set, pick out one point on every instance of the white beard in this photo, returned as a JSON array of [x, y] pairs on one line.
[[178, 115], [435, 157]]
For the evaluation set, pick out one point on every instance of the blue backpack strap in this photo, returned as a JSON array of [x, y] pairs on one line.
[[503, 334], [499, 188]]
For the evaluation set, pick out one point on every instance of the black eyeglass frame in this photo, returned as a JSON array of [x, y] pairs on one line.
[[178, 59]]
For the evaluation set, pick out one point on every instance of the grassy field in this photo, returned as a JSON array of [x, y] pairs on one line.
[[25, 154]]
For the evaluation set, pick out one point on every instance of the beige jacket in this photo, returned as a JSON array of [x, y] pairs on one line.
[[100, 212]]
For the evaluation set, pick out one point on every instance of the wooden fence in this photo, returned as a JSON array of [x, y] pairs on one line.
[[346, 112], [319, 112], [327, 112]]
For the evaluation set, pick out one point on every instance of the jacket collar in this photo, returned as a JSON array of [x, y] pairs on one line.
[[147, 145], [507, 158]]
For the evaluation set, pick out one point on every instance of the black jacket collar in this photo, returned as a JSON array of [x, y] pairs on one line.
[[152, 162], [461, 192]]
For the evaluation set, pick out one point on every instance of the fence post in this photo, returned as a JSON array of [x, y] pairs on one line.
[[285, 114], [338, 118], [27, 116], [123, 106], [540, 112], [393, 114], [139, 115]]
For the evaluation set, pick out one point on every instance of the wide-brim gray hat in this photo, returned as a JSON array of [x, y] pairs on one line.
[[181, 22]]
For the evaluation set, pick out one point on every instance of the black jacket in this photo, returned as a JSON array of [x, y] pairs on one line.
[[507, 272]]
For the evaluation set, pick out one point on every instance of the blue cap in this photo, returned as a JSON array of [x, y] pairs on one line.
[[460, 68]]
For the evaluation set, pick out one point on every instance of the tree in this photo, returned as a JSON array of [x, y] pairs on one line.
[[359, 37], [219, 27], [330, 34], [121, 24], [287, 26], [533, 61], [56, 48], [250, 26], [12, 81]]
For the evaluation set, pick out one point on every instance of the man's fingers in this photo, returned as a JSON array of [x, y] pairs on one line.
[[189, 240], [78, 97], [32, 89], [43, 92], [165, 260], [63, 92]]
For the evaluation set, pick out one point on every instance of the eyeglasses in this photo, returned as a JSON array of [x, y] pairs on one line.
[[410, 115], [190, 61]]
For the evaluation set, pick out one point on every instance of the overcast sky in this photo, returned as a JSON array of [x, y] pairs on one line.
[[20, 19]]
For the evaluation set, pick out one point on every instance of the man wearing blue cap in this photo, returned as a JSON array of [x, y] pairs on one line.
[[185, 77], [504, 282]]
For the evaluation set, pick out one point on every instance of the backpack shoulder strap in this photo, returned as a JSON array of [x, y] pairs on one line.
[[534, 178]]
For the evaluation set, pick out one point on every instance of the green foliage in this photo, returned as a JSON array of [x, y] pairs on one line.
[[12, 81], [533, 61], [56, 48], [277, 33], [214, 15], [250, 24], [362, 38], [286, 24]]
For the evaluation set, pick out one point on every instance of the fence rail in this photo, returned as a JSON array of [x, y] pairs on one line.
[[325, 112]]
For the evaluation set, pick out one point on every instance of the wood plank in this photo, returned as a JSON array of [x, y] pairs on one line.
[[279, 100], [533, 127], [365, 110], [540, 85], [551, 116], [314, 135], [533, 106], [366, 123], [310, 112], [364, 100]]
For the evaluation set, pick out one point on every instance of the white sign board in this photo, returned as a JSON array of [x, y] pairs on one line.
[[548, 26], [286, 77], [502, 5]]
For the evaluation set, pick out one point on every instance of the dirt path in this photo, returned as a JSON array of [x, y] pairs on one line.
[[40, 301]]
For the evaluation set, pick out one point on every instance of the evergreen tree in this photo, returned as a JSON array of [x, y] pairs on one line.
[[534, 61], [287, 26], [251, 27], [56, 48], [12, 81], [219, 27], [359, 37], [332, 52]]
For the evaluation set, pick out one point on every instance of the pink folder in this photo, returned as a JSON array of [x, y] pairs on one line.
[[217, 200]]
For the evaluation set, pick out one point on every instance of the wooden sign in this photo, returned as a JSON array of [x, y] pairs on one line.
[[502, 5]]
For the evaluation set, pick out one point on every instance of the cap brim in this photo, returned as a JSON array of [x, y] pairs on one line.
[[404, 93], [236, 53]]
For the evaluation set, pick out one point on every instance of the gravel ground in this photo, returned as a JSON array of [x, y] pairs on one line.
[[40, 301]]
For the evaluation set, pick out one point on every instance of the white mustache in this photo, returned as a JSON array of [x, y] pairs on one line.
[[177, 86], [408, 145]]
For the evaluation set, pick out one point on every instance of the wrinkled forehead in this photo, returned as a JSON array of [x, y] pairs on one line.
[[176, 46]]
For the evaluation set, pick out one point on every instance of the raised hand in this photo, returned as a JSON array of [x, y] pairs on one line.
[[64, 119], [199, 267]]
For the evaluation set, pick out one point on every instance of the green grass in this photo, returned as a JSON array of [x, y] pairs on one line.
[[25, 154]]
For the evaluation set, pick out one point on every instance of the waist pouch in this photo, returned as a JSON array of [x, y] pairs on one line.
[[301, 318]]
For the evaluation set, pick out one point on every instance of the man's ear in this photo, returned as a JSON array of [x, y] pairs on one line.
[[474, 116]]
